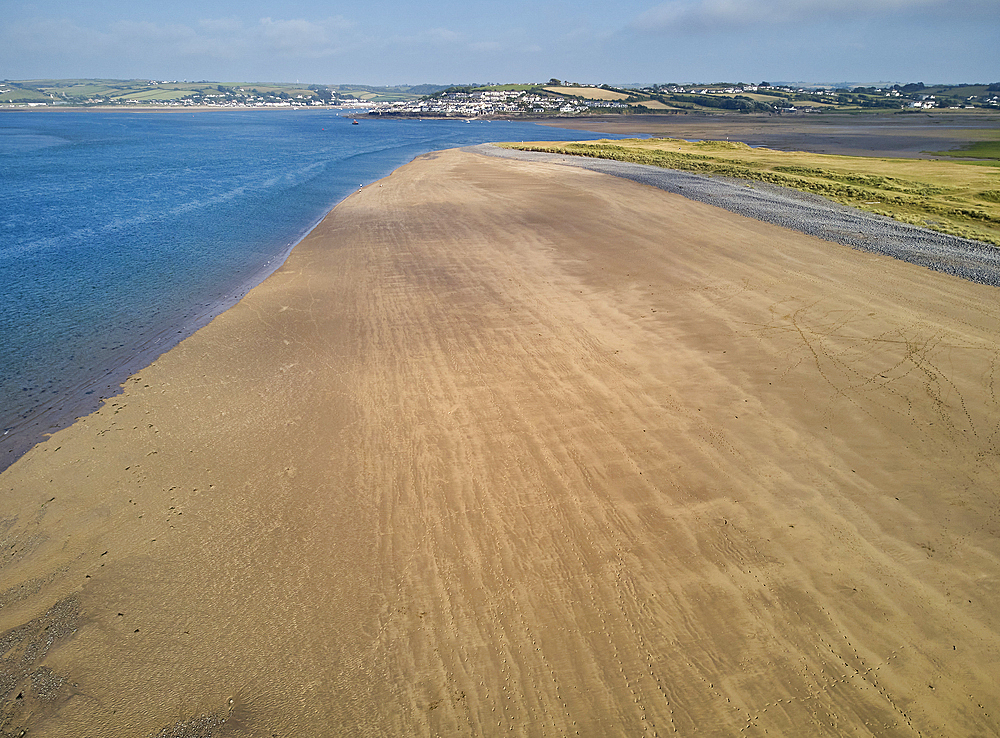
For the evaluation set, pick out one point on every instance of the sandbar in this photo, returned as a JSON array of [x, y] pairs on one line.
[[514, 448]]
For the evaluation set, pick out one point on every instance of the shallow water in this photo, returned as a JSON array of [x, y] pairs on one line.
[[121, 232]]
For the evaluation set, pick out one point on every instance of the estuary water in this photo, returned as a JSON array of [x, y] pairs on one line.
[[123, 232]]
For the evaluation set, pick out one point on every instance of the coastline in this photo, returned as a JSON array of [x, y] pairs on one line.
[[44, 401], [509, 446], [902, 134], [174, 109], [88, 397]]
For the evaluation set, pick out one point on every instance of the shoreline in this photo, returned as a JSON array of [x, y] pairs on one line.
[[169, 109], [89, 397], [36, 421], [509, 446]]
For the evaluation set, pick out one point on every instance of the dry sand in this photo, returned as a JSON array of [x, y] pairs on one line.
[[519, 449]]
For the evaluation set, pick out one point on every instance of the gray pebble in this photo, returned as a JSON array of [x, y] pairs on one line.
[[804, 212]]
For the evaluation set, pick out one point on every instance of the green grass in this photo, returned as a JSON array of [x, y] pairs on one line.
[[156, 94], [16, 96], [942, 195], [978, 150], [82, 89], [513, 88], [959, 91], [77, 91], [385, 96]]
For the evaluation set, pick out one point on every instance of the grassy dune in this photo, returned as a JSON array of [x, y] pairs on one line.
[[951, 197], [986, 152]]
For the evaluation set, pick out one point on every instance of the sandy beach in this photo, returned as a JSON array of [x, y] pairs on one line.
[[511, 448]]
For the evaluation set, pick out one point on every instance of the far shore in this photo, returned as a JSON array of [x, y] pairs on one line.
[[900, 134], [169, 109]]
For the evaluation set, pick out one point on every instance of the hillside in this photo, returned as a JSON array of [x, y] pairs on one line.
[[551, 98], [173, 93]]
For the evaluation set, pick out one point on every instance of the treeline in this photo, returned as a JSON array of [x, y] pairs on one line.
[[738, 102]]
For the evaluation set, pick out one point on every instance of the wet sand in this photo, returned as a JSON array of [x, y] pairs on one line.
[[509, 448]]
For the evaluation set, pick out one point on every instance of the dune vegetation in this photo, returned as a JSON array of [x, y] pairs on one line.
[[961, 198]]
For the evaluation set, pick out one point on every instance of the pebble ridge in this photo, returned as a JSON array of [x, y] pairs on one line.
[[804, 212]]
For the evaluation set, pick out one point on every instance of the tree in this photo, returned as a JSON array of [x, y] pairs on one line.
[[555, 82]]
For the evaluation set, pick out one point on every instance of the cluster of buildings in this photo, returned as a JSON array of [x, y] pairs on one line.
[[480, 103], [706, 90], [214, 102], [510, 101], [173, 94], [239, 98], [930, 101]]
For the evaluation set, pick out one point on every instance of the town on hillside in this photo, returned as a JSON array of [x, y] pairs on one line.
[[554, 98], [558, 99]]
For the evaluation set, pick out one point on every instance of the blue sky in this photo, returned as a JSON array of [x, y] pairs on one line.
[[451, 41]]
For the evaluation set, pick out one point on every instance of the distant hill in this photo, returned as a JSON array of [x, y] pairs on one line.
[[147, 92], [397, 93], [551, 98]]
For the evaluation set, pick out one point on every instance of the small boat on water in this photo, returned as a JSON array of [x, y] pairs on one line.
[[354, 122]]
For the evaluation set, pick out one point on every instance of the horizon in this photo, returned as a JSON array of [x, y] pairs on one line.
[[476, 84]]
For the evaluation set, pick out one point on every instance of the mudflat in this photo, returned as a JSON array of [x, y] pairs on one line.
[[909, 135], [512, 448]]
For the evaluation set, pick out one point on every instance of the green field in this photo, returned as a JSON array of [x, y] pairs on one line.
[[714, 99], [987, 151], [156, 94], [23, 96], [945, 196], [514, 88], [86, 92], [957, 91], [373, 96], [398, 93]]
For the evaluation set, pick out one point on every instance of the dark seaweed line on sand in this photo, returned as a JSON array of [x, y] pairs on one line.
[[804, 212]]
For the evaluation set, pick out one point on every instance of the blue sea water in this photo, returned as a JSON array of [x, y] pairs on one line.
[[122, 232]]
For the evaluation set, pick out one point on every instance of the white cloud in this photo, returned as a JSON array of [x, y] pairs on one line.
[[709, 15], [439, 36], [138, 46], [153, 33], [221, 25], [303, 38], [488, 47]]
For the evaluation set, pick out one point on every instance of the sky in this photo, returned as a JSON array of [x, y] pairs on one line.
[[394, 42]]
